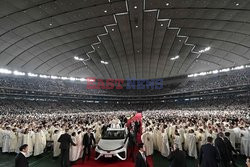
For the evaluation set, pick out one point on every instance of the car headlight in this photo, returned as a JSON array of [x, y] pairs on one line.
[[100, 148]]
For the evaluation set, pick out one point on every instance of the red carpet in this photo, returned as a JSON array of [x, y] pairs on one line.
[[114, 163], [138, 116], [109, 163]]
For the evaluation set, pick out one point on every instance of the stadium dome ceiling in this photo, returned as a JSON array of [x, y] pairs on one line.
[[123, 39]]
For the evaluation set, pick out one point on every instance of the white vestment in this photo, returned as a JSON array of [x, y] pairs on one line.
[[40, 143], [148, 143], [98, 133], [155, 139], [245, 143], [29, 139], [1, 137], [237, 132], [73, 152], [181, 132], [79, 139], [191, 145], [232, 137], [201, 137], [165, 145], [19, 141], [6, 141], [13, 141], [115, 126], [177, 141], [159, 140], [56, 144]]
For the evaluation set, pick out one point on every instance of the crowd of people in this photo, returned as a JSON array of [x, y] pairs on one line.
[[41, 131], [183, 127], [221, 80], [232, 78], [190, 129]]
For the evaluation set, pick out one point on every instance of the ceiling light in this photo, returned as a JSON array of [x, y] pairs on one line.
[[105, 11], [104, 62], [215, 72], [78, 58], [112, 29], [82, 79], [135, 7], [90, 80], [167, 4], [205, 50], [18, 73], [136, 26], [32, 75], [219, 71], [174, 58], [64, 78], [43, 76], [161, 25], [238, 68], [50, 24], [225, 70], [5, 71], [237, 4], [54, 77], [72, 78]]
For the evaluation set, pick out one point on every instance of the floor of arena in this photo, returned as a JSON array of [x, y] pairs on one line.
[[46, 160]]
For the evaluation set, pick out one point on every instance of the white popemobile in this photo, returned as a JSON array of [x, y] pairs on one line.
[[113, 143]]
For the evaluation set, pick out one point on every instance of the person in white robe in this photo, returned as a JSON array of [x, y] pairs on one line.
[[13, 140], [115, 125], [201, 138], [191, 144], [171, 133], [56, 144], [147, 141], [155, 132], [19, 139], [177, 140], [237, 132], [181, 132], [29, 139], [165, 144], [73, 151], [98, 128], [79, 140], [209, 133], [1, 136], [6, 140], [151, 136], [245, 142], [232, 136], [159, 140], [49, 133], [40, 142]]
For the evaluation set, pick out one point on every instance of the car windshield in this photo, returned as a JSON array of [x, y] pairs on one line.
[[114, 134]]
